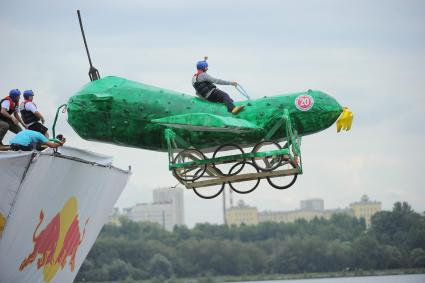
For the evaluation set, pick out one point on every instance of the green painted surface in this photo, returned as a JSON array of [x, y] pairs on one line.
[[208, 122], [119, 111]]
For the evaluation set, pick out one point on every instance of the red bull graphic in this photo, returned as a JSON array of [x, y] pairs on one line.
[[58, 241], [2, 223]]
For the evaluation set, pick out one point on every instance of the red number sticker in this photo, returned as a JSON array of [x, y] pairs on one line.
[[304, 102]]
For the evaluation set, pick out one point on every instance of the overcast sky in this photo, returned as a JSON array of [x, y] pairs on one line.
[[369, 55]]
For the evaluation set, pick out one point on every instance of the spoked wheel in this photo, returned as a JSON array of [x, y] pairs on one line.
[[209, 192], [283, 182], [226, 150], [189, 173], [268, 162], [245, 187]]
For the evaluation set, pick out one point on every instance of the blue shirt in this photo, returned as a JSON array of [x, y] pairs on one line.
[[28, 137]]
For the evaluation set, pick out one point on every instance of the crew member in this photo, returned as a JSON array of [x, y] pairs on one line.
[[27, 140], [30, 114], [9, 117], [206, 89]]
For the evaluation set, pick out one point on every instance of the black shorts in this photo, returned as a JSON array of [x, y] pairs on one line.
[[38, 127]]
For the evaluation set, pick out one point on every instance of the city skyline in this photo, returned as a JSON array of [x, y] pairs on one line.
[[311, 207], [164, 211]]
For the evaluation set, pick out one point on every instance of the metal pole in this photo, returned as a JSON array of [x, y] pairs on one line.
[[56, 118], [84, 37], [93, 72], [231, 197], [163, 219], [224, 207]]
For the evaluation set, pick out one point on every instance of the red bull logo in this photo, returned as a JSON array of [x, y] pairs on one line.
[[58, 241], [2, 223]]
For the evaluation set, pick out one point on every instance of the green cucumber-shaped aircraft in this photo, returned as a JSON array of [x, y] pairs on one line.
[[127, 113], [123, 112]]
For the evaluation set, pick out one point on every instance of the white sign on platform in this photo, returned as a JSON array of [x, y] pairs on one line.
[[58, 212]]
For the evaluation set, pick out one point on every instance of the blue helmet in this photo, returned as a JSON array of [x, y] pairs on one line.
[[14, 93], [201, 65], [28, 93]]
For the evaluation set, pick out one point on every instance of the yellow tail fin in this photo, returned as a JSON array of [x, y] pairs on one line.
[[345, 120]]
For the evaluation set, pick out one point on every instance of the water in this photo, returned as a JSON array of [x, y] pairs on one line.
[[411, 278]]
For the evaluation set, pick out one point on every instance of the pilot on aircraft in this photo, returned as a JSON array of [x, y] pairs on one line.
[[205, 87]]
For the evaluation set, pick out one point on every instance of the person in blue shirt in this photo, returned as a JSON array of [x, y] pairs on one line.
[[27, 140]]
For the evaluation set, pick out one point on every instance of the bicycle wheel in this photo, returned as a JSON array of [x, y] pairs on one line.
[[209, 192], [283, 182], [192, 172], [270, 161], [245, 187], [226, 150]]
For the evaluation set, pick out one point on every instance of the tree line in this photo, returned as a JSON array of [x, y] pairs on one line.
[[139, 251]]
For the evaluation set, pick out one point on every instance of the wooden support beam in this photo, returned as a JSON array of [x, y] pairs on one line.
[[242, 178]]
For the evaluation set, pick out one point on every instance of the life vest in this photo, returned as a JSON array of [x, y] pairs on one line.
[[12, 105], [203, 88], [27, 116]]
